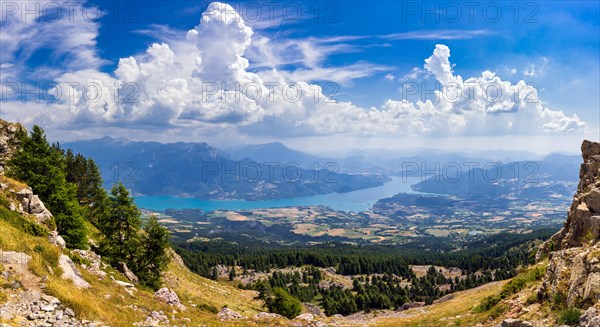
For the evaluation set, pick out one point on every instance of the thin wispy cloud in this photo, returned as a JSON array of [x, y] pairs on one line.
[[438, 35]]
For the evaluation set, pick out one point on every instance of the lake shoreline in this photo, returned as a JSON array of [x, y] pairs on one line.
[[354, 201]]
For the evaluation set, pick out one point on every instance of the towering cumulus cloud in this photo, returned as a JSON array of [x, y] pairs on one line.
[[204, 81]]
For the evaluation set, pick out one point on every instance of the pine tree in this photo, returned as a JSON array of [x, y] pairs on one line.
[[214, 274], [153, 259], [42, 167], [284, 304], [120, 227], [232, 274]]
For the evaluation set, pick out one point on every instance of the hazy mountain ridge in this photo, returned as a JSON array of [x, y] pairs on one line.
[[200, 170], [555, 174]]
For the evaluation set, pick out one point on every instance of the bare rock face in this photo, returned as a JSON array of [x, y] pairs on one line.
[[57, 240], [9, 141], [14, 258], [32, 204], [590, 318], [92, 263], [574, 252], [71, 272]]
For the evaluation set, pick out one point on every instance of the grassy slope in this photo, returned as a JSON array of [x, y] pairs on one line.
[[455, 312], [110, 303], [462, 310]]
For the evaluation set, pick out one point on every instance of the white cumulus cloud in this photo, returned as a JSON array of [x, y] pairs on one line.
[[203, 81]]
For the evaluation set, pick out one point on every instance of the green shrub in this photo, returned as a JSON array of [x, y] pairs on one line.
[[514, 286], [4, 201], [558, 300], [569, 316], [207, 307], [532, 298], [498, 311], [284, 304], [488, 303], [22, 223], [77, 259]]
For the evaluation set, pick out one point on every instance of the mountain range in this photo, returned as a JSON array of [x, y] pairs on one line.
[[202, 171]]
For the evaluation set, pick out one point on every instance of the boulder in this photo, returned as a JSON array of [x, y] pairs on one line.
[[330, 270], [313, 309], [306, 317], [511, 322], [156, 318], [122, 267], [38, 209], [93, 262], [168, 296], [227, 314], [14, 258], [411, 305], [32, 204], [25, 194], [120, 283], [266, 315], [590, 318], [71, 272], [57, 240], [591, 288]]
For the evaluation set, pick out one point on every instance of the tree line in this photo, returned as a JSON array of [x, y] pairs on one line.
[[502, 252], [368, 292], [70, 186]]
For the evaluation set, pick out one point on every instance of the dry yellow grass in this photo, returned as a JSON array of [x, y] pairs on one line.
[[112, 304], [109, 302], [456, 312], [13, 184]]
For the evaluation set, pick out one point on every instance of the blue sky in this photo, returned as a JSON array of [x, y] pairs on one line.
[[364, 53]]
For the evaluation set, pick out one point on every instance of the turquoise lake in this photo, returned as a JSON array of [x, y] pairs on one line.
[[356, 201]]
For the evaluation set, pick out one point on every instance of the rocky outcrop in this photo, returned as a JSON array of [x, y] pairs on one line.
[[590, 318], [10, 134], [573, 270], [32, 204], [57, 240], [92, 262], [156, 318], [267, 315], [228, 314], [515, 323], [168, 296], [306, 317], [14, 258], [31, 308], [71, 272]]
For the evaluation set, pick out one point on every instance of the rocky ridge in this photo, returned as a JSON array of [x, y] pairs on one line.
[[9, 140], [573, 271]]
